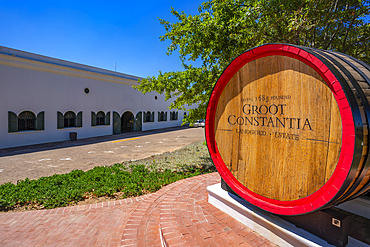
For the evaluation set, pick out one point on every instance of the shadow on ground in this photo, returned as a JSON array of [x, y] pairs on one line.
[[87, 141]]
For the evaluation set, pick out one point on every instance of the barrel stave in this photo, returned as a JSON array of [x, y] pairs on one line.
[[357, 76], [353, 94]]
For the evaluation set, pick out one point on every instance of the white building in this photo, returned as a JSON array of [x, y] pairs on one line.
[[44, 99]]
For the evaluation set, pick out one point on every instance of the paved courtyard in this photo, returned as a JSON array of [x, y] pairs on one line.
[[47, 159], [177, 215]]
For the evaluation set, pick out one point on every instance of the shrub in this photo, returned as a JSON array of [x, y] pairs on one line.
[[63, 189]]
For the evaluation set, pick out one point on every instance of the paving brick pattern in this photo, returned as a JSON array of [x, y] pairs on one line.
[[177, 215]]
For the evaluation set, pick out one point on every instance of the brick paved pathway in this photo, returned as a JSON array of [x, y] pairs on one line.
[[177, 215]]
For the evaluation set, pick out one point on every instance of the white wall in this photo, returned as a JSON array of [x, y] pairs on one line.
[[29, 83]]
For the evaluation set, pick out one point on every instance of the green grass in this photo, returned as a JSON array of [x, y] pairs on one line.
[[65, 189]]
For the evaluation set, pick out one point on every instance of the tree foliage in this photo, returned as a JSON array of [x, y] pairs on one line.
[[223, 29]]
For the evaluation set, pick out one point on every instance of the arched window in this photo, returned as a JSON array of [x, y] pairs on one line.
[[100, 118], [25, 121], [148, 117], [69, 120], [173, 115], [162, 116]]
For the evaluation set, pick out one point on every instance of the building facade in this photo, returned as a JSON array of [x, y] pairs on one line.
[[44, 99]]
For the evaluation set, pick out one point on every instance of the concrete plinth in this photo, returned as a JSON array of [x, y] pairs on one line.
[[358, 206], [268, 225]]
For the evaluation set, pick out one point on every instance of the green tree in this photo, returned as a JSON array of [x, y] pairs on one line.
[[224, 29]]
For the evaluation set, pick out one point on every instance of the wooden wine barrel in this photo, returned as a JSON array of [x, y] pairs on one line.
[[287, 128]]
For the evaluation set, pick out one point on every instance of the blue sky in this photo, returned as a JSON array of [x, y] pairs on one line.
[[96, 33]]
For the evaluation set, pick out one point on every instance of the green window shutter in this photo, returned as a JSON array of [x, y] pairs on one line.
[[159, 116], [79, 119], [93, 119], [177, 115], [40, 121], [116, 123], [60, 120], [144, 117], [165, 116], [152, 117], [12, 122], [107, 118]]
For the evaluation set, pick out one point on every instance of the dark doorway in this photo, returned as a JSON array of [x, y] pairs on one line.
[[127, 122]]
